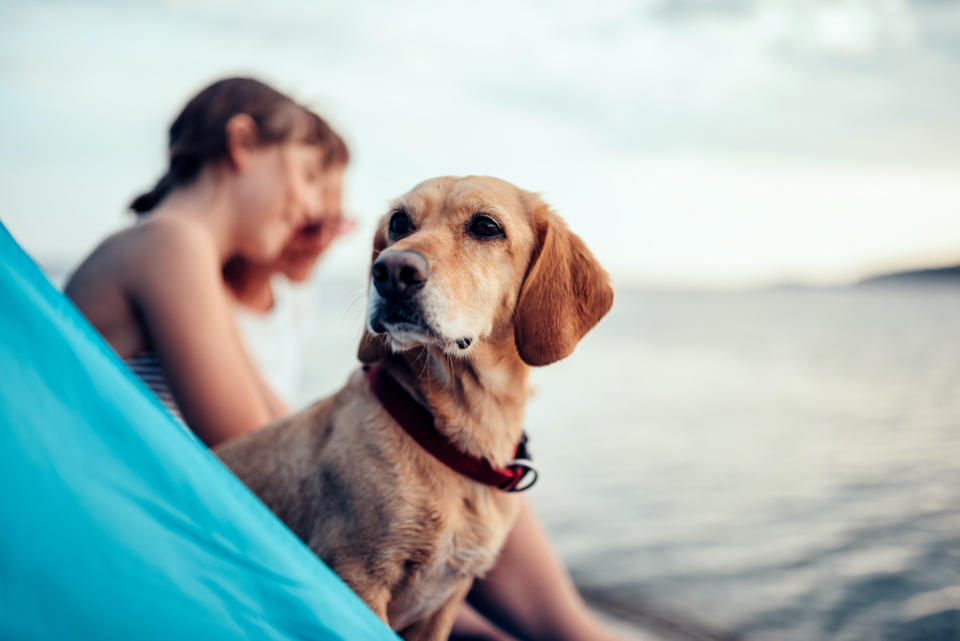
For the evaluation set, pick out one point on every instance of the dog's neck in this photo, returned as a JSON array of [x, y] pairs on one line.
[[478, 403]]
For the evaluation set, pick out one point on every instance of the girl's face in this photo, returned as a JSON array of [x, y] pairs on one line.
[[277, 192], [302, 251]]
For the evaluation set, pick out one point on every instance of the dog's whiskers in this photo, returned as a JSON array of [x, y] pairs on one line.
[[358, 299], [426, 363]]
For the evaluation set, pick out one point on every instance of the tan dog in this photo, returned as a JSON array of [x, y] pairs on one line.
[[473, 281]]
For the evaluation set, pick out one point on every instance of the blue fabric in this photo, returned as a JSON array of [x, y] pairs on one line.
[[117, 523]]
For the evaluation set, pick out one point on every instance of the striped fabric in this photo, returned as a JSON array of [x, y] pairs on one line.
[[146, 366]]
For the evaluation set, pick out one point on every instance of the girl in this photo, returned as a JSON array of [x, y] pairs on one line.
[[243, 175], [263, 300]]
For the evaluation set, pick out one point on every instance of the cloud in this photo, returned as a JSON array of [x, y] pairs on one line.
[[700, 9], [557, 97]]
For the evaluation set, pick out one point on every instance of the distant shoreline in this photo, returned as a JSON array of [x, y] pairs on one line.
[[938, 276], [58, 271]]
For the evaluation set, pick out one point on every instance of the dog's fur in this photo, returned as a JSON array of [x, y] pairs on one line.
[[407, 533]]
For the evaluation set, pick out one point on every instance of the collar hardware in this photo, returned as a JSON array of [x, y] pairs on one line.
[[520, 475]]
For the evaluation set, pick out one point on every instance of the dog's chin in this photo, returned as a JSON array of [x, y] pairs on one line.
[[406, 327], [405, 335]]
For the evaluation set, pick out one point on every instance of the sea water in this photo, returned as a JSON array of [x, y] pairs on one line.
[[780, 464]]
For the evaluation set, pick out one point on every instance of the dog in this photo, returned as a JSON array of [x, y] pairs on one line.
[[401, 481]]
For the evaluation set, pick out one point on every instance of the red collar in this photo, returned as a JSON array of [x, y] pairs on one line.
[[417, 421]]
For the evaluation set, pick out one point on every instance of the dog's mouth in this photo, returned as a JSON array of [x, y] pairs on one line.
[[406, 326], [403, 322]]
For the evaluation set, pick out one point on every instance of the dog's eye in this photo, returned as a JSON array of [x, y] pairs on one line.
[[400, 224], [482, 226]]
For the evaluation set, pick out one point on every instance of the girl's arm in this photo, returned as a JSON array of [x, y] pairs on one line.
[[529, 593], [176, 287]]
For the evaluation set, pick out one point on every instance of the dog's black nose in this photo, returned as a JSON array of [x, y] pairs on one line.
[[399, 273]]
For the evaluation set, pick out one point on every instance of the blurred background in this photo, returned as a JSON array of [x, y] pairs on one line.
[[761, 441]]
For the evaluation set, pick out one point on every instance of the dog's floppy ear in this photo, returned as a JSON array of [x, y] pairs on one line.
[[373, 347], [565, 293]]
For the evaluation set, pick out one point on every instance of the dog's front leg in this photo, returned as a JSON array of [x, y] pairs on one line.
[[378, 603], [373, 592], [437, 626]]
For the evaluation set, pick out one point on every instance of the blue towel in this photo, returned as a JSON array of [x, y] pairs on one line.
[[117, 523]]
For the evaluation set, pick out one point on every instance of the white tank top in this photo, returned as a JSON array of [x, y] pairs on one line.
[[274, 340]]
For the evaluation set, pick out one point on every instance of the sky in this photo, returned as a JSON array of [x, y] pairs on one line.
[[691, 143]]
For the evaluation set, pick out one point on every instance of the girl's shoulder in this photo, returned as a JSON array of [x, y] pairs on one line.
[[151, 249], [166, 237], [157, 244]]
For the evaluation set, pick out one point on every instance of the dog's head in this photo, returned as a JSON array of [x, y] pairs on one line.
[[462, 261]]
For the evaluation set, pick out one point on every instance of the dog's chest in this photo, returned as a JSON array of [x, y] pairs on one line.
[[458, 555]]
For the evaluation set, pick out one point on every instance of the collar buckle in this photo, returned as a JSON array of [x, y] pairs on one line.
[[527, 475]]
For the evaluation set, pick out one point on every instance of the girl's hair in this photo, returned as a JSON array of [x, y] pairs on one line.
[[335, 152], [198, 136]]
